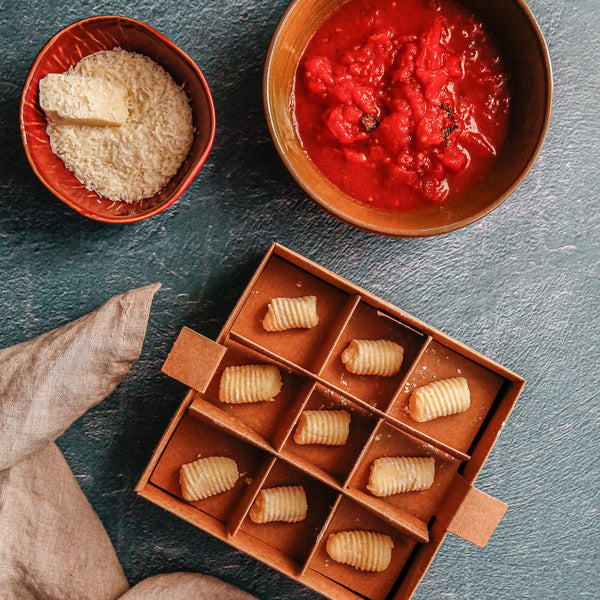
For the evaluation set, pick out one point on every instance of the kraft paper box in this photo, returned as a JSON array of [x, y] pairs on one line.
[[259, 436]]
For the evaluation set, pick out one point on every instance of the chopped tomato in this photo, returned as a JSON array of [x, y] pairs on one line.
[[402, 104]]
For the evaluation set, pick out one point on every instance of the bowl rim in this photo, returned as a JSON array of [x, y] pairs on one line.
[[172, 46], [391, 231]]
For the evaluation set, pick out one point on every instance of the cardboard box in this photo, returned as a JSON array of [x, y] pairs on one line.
[[259, 436]]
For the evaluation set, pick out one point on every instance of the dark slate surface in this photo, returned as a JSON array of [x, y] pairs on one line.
[[520, 286]]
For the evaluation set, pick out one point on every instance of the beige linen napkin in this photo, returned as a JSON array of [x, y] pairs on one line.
[[184, 586], [52, 544], [48, 382]]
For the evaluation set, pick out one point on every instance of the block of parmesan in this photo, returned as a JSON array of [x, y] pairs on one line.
[[78, 100]]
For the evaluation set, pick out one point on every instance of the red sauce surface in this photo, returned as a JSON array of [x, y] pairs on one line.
[[401, 104]]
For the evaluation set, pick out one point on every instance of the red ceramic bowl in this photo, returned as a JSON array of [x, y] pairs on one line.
[[65, 49]]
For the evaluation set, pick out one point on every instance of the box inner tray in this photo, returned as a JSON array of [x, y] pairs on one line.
[[259, 436]]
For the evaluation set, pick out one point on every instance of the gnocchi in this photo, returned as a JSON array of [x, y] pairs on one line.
[[249, 383], [285, 503], [207, 477], [364, 550], [326, 427], [373, 357], [395, 475], [291, 313], [440, 399]]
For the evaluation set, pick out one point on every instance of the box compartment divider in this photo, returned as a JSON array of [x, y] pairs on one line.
[[242, 508], [164, 440], [418, 563], [492, 427], [286, 427], [320, 534], [399, 321], [401, 520], [408, 373], [360, 457], [427, 439], [244, 341], [335, 334], [204, 410], [309, 468]]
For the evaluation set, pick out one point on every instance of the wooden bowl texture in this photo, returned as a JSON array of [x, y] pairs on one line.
[[524, 51], [65, 49]]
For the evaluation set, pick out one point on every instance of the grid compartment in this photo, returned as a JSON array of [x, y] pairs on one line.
[[349, 516], [282, 279], [367, 323], [295, 540], [335, 460], [265, 418], [439, 362], [194, 439], [389, 441]]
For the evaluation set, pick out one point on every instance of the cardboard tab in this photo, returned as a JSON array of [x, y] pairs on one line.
[[193, 359], [477, 516]]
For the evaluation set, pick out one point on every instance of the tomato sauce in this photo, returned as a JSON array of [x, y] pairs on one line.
[[401, 104]]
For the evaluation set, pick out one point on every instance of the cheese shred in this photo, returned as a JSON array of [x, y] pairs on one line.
[[135, 160]]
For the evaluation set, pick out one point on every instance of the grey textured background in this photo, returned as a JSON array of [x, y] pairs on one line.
[[520, 286]]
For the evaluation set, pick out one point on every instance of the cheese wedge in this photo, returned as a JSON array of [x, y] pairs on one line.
[[77, 100]]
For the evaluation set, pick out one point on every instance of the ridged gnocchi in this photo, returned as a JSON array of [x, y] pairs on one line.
[[291, 313], [249, 383], [395, 475], [440, 399], [373, 357], [364, 550], [326, 427], [285, 503], [207, 477]]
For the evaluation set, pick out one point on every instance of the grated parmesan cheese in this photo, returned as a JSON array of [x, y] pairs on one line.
[[133, 161]]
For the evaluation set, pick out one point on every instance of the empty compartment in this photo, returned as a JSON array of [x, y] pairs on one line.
[[265, 417], [391, 442], [367, 323], [437, 363], [349, 516], [281, 279], [335, 460], [293, 539], [193, 439]]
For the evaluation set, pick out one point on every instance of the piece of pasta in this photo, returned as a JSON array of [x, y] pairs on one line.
[[440, 399], [326, 427], [395, 475], [207, 477], [364, 550], [286, 503], [373, 357], [291, 313], [249, 383]]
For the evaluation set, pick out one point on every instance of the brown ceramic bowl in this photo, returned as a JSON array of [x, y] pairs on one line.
[[65, 49], [524, 50]]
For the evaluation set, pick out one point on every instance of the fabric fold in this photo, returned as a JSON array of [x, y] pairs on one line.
[[190, 586], [50, 381], [53, 545]]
